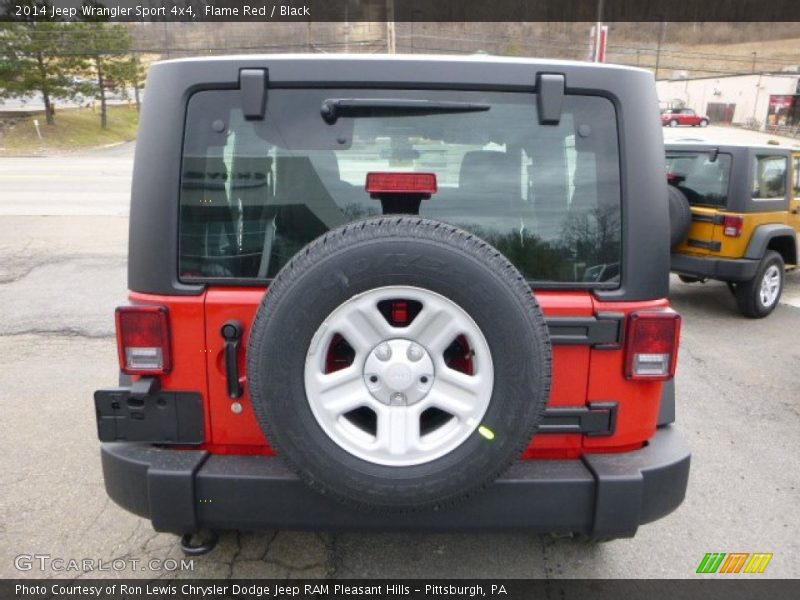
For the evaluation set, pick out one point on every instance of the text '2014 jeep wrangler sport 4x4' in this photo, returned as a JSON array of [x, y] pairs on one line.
[[396, 293]]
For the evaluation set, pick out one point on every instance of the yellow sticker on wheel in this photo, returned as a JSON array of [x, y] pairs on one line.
[[486, 432]]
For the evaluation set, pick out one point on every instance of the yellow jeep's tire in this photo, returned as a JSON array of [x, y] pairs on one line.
[[680, 216], [758, 297]]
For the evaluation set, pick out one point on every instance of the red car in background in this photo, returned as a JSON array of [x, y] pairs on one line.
[[683, 116]]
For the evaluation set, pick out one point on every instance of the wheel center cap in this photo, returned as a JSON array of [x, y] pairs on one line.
[[398, 372], [399, 377]]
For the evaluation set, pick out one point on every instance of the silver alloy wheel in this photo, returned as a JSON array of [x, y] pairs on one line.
[[399, 373], [770, 286]]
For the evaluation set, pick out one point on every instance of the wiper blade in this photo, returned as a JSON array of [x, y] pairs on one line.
[[333, 108]]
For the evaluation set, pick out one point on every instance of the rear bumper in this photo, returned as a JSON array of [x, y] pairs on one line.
[[599, 495], [724, 269]]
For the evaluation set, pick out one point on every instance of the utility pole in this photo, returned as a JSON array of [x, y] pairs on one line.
[[661, 33], [347, 26], [598, 31], [391, 47], [166, 40]]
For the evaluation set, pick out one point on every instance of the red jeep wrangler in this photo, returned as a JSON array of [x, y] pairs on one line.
[[365, 286]]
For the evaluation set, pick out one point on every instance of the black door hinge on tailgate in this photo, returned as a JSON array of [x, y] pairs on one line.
[[603, 331], [596, 419]]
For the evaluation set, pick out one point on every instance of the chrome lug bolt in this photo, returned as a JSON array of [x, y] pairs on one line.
[[414, 353], [383, 352]]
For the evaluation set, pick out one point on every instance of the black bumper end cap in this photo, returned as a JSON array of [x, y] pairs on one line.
[[723, 269]]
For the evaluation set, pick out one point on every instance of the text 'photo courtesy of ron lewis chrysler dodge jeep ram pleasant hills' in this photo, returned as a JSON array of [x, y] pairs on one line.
[[396, 293]]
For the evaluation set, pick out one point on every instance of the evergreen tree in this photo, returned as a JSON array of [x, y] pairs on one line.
[[35, 58], [106, 49]]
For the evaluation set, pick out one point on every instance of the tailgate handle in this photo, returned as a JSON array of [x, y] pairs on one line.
[[232, 334]]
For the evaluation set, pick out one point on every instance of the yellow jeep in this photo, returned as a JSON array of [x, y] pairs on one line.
[[735, 217]]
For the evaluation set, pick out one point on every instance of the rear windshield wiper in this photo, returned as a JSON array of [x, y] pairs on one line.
[[333, 108]]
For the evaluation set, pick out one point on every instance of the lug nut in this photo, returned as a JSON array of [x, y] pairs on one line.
[[398, 399], [383, 352], [373, 379], [414, 353]]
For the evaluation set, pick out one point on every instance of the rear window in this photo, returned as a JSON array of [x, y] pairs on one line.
[[254, 192], [701, 176]]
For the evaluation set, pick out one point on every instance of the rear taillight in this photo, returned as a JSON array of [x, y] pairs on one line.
[[733, 225], [651, 351], [143, 340]]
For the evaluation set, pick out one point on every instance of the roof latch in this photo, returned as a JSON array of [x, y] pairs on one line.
[[550, 97], [253, 86]]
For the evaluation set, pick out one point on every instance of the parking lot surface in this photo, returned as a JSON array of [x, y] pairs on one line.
[[62, 272]]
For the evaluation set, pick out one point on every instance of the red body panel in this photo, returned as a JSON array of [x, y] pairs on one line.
[[639, 400], [186, 318], [225, 304], [580, 374], [570, 374]]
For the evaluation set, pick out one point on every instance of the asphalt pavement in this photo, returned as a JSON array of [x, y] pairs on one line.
[[63, 239], [90, 183]]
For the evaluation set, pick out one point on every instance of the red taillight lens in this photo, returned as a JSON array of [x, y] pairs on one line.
[[651, 351], [733, 225], [401, 183], [143, 340]]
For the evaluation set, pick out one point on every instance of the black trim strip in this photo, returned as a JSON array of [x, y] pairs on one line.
[[596, 419], [708, 245], [604, 332], [715, 219], [255, 282]]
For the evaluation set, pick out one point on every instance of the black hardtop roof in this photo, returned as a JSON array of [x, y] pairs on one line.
[[400, 69], [153, 239]]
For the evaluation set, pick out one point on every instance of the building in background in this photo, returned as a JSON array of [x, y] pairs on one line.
[[766, 101]]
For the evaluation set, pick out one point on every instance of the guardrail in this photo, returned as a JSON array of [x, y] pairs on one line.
[[784, 130]]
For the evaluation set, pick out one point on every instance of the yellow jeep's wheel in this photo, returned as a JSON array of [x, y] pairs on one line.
[[759, 296]]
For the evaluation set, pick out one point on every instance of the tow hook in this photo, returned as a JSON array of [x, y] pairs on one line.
[[199, 543]]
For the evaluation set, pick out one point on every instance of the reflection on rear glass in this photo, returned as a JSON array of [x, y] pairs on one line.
[[255, 193]]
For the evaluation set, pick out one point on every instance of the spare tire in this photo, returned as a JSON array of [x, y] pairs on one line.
[[680, 216], [399, 364]]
